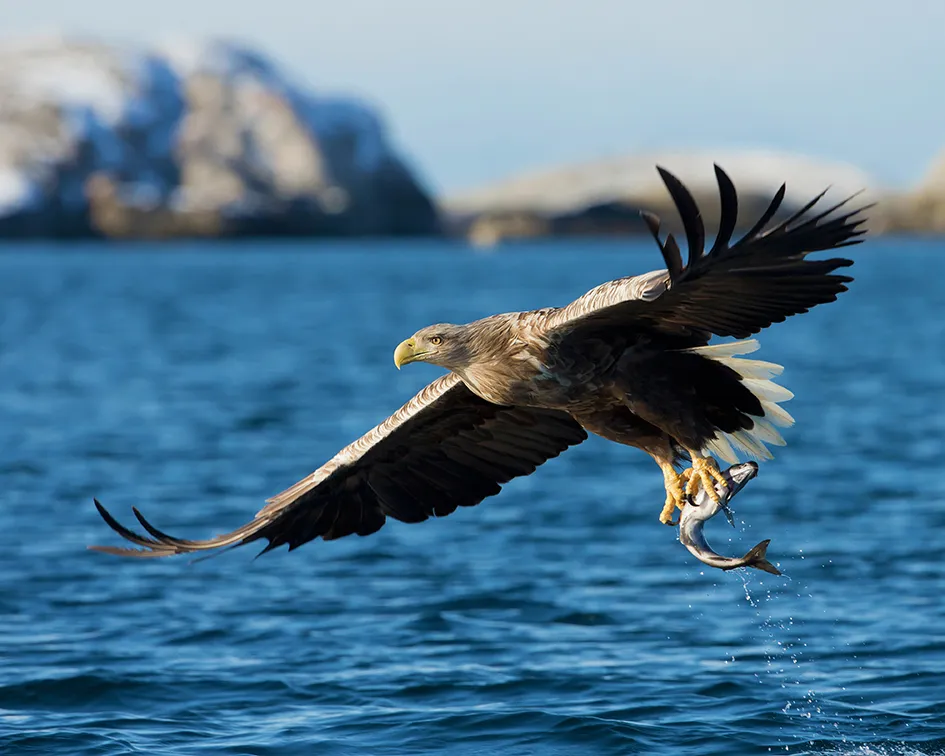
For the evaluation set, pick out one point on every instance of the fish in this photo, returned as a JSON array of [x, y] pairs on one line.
[[701, 508]]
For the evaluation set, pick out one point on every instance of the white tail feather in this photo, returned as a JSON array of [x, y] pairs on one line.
[[755, 375], [745, 440], [754, 369], [764, 431], [777, 415], [768, 391], [731, 349], [722, 448]]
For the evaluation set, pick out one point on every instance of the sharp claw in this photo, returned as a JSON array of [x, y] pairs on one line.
[[675, 498], [705, 472], [682, 488], [666, 516]]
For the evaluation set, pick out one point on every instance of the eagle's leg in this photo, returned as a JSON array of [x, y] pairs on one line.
[[675, 490], [704, 471]]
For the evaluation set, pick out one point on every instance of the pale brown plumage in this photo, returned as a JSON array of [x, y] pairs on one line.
[[628, 361]]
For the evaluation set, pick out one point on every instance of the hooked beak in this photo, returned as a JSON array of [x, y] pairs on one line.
[[405, 352]]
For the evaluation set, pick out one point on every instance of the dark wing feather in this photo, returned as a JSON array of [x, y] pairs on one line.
[[445, 448], [728, 214], [688, 212], [734, 289], [669, 248]]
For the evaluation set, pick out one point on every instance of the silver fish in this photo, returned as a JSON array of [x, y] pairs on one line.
[[701, 508]]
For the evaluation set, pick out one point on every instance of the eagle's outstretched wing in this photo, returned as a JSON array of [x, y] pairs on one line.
[[444, 449], [734, 289]]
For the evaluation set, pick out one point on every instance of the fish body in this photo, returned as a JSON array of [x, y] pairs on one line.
[[702, 508]]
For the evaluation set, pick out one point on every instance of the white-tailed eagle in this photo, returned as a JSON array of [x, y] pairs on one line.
[[630, 361]]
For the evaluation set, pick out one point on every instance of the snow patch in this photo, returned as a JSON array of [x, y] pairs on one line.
[[17, 192]]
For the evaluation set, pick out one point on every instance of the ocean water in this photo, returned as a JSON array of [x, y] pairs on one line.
[[557, 617]]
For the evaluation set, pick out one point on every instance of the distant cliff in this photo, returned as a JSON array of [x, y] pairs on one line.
[[207, 139], [605, 197]]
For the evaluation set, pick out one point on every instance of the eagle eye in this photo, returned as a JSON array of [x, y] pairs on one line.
[[436, 340]]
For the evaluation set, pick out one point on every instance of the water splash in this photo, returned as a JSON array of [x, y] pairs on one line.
[[897, 749], [784, 662]]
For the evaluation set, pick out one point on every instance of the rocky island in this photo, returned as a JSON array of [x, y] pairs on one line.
[[606, 196], [193, 140]]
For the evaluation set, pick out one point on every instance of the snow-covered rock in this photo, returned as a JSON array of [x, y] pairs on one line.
[[124, 141]]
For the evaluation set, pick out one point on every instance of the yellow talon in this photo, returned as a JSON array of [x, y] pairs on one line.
[[675, 495], [705, 471]]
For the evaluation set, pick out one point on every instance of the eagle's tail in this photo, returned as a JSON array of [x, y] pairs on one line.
[[756, 376]]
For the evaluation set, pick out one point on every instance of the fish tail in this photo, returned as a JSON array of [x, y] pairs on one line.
[[756, 558]]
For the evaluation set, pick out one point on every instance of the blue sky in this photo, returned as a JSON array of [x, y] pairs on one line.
[[475, 91]]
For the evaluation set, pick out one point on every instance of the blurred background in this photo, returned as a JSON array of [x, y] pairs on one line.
[[488, 120], [217, 220]]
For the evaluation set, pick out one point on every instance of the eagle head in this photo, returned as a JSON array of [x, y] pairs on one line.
[[443, 344]]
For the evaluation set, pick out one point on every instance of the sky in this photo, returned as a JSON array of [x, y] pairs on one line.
[[476, 91]]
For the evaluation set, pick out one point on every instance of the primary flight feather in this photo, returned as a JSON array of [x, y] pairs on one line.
[[629, 361]]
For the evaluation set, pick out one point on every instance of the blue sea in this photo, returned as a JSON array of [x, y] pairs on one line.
[[559, 617]]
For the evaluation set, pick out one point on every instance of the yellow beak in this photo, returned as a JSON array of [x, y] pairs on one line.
[[405, 352]]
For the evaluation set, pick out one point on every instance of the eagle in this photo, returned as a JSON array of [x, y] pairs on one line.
[[629, 360]]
